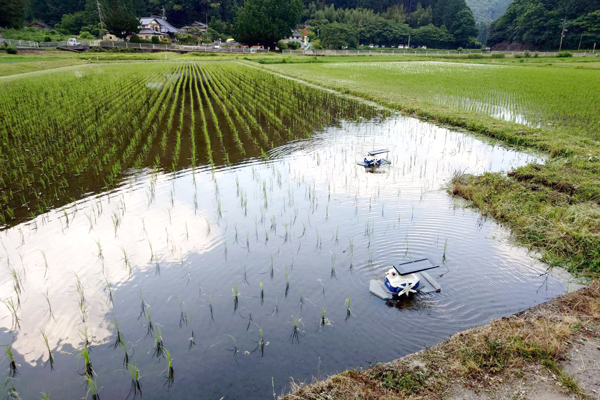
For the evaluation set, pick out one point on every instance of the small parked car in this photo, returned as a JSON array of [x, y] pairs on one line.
[[73, 42]]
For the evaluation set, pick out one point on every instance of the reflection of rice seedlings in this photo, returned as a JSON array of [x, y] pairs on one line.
[[144, 305], [192, 341], [81, 301], [100, 255], [50, 356], [332, 265], [108, 288], [207, 226], [116, 219], [92, 388], [150, 327], [287, 282], [210, 307], [12, 308], [183, 315], [16, 285], [170, 371], [136, 386], [262, 294], [85, 337], [12, 365], [225, 249], [323, 320], [247, 242], [271, 268], [235, 348], [445, 246], [85, 354], [159, 348], [126, 260], [45, 262], [301, 299]]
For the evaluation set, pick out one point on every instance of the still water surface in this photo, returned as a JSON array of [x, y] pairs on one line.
[[309, 224]]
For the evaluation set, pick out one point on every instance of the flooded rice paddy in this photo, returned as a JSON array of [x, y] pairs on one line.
[[208, 271]]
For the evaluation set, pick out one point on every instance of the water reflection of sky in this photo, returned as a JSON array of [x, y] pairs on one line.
[[328, 227]]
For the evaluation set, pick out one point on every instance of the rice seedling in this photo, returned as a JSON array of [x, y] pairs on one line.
[[348, 311], [235, 297], [136, 386], [50, 355], [296, 329], [12, 308], [85, 355], [12, 365], [192, 342], [45, 262], [262, 294], [159, 348], [170, 370], [144, 305], [445, 246]]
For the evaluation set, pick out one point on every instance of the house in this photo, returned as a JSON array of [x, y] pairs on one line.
[[109, 37], [156, 26], [196, 28], [40, 25], [297, 36]]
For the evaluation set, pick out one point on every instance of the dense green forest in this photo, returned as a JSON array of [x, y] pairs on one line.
[[335, 23], [539, 23]]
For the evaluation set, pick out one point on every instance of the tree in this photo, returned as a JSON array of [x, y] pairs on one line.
[[121, 22], [464, 28], [338, 35], [71, 24], [265, 22], [12, 13]]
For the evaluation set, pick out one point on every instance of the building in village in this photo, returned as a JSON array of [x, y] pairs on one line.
[[156, 26]]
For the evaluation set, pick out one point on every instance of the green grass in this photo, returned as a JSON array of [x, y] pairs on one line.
[[552, 208]]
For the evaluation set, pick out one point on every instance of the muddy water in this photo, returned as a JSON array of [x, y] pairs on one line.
[[309, 224]]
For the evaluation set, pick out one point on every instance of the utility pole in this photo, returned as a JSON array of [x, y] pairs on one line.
[[100, 14], [164, 17], [562, 34], [580, 39], [408, 41]]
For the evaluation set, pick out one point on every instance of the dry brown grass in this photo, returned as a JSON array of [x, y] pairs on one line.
[[478, 359]]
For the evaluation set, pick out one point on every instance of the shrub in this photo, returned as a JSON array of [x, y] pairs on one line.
[[97, 49], [86, 35], [475, 56], [565, 54], [135, 39], [11, 50], [282, 46], [519, 55], [498, 55], [536, 55], [460, 49], [155, 40], [527, 54], [294, 45]]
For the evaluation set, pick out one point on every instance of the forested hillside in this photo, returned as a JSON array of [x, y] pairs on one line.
[[486, 11], [337, 23], [539, 23]]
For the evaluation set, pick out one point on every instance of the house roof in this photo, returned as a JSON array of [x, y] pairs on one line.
[[41, 24], [165, 27], [297, 34]]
